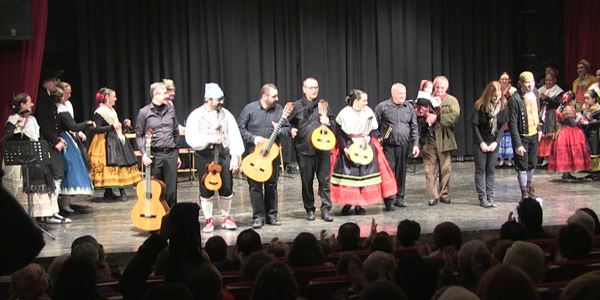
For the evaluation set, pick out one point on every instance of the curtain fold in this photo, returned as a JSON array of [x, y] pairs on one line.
[[582, 36]]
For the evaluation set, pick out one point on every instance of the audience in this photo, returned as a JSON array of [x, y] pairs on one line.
[[379, 265], [584, 219], [584, 287], [348, 238], [254, 263], [216, 248], [416, 276], [530, 217], [446, 234], [77, 280], [455, 292], [574, 242], [278, 248], [169, 291], [275, 282], [473, 260], [382, 290], [505, 281], [204, 282], [528, 257], [350, 264], [595, 217], [29, 283], [499, 250], [408, 233], [512, 230], [382, 242], [306, 251]]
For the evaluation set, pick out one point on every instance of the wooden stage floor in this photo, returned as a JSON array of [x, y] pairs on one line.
[[109, 221]]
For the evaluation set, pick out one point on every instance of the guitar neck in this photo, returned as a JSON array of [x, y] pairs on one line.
[[148, 169], [216, 153], [273, 136]]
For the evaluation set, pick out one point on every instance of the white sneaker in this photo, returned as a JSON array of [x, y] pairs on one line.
[[228, 223], [209, 225]]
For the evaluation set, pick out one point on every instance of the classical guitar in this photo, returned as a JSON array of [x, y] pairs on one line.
[[361, 153], [148, 211], [212, 178], [258, 165], [322, 137]]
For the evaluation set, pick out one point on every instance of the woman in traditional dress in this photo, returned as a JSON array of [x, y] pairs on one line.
[[505, 151], [113, 163], [569, 151], [353, 184], [22, 126], [550, 95], [76, 180], [591, 128]]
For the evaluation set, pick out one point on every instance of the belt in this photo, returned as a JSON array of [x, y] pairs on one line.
[[162, 150]]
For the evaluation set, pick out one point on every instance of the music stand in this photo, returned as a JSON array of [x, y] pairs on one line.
[[26, 154]]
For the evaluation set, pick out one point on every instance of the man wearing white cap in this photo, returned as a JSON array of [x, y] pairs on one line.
[[160, 117], [213, 133], [524, 124]]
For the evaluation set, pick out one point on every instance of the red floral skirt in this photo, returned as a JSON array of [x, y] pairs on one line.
[[569, 151]]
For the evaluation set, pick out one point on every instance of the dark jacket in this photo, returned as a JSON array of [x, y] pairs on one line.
[[517, 117], [305, 117], [481, 126]]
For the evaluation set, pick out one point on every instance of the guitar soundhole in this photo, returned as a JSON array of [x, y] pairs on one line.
[[144, 216]]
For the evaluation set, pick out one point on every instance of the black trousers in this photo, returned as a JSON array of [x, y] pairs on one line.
[[164, 167], [226, 177], [311, 165], [264, 204], [485, 168], [397, 157], [528, 161]]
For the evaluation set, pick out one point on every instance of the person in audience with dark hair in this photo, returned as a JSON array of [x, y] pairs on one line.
[[278, 248], [582, 218], [248, 242], [204, 281], [473, 260], [306, 251], [382, 242], [505, 281], [216, 248], [275, 282], [103, 267], [416, 276], [30, 283], [254, 263], [592, 213], [408, 233], [531, 216], [499, 249], [180, 230], [574, 242], [169, 291], [379, 265], [351, 265], [348, 238], [529, 257], [77, 280], [586, 286], [446, 234], [512, 230], [383, 290]]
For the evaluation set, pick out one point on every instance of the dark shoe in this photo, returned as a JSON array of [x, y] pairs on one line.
[[524, 192], [273, 221], [346, 210], [123, 196], [310, 215], [445, 200], [568, 178], [485, 204], [433, 202], [389, 207], [531, 191], [326, 216], [258, 223], [358, 210], [64, 203], [109, 195], [399, 202]]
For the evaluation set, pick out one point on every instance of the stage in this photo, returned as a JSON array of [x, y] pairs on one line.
[[109, 221]]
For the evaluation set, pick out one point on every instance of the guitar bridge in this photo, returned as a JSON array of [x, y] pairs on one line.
[[145, 216]]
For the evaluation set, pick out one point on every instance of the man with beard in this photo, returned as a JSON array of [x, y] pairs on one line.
[[524, 124], [213, 133], [164, 156], [256, 124]]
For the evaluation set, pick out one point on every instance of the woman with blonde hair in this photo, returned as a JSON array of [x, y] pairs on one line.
[[487, 120]]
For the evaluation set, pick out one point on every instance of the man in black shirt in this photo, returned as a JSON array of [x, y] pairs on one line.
[[305, 119], [400, 135], [160, 117]]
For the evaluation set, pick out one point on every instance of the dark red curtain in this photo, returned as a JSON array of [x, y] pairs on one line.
[[21, 61], [582, 35]]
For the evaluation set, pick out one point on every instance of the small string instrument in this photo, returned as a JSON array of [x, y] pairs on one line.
[[322, 137], [361, 153], [149, 209], [258, 165], [212, 178]]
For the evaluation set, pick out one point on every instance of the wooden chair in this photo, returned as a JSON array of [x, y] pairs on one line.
[[323, 288], [567, 270], [304, 275]]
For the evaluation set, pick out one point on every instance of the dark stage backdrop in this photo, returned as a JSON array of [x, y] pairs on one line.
[[345, 44]]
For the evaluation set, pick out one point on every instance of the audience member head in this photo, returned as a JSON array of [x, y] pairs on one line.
[[184, 242], [347, 261], [592, 213], [584, 287], [278, 248], [499, 250], [76, 280], [275, 282], [408, 232], [248, 241], [168, 291], [530, 216], [55, 267], [254, 263], [306, 251], [473, 260], [584, 219], [417, 277], [505, 281], [216, 248], [348, 238], [382, 242], [204, 282], [383, 290], [86, 250], [379, 265], [528, 257], [29, 283], [447, 234], [512, 230], [574, 242], [455, 292]]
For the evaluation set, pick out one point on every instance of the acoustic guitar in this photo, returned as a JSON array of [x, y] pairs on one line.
[[149, 209], [322, 137], [212, 178], [258, 165], [361, 153]]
